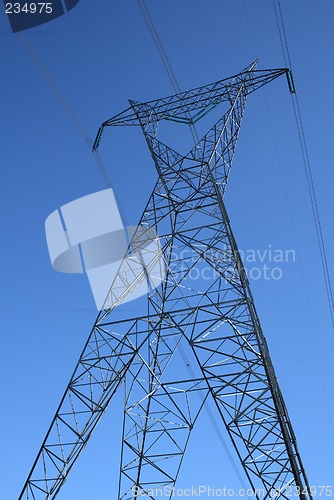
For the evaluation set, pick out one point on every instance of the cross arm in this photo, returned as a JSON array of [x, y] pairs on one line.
[[190, 105]]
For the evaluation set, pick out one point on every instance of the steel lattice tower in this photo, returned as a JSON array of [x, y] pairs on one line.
[[218, 326]]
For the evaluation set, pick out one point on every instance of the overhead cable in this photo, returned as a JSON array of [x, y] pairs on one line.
[[163, 56], [306, 161]]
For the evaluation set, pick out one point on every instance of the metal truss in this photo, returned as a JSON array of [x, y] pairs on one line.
[[209, 323]]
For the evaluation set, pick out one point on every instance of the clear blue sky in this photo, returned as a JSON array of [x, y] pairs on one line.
[[100, 54]]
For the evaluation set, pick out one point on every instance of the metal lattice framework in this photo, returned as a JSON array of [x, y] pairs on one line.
[[214, 322]]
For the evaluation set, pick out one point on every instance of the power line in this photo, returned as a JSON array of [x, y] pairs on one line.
[[158, 44], [281, 171], [66, 106], [163, 56], [306, 161], [72, 115]]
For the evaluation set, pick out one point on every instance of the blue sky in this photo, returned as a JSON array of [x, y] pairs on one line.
[[100, 54]]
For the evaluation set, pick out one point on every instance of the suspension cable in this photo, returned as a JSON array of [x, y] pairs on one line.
[[164, 57], [65, 104], [306, 161], [302, 274]]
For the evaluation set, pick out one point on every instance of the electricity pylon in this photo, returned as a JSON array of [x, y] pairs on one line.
[[213, 321]]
